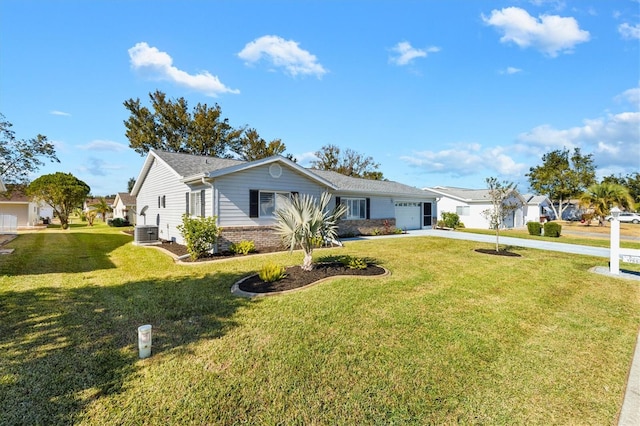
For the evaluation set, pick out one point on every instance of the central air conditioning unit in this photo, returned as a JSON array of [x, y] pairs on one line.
[[145, 234]]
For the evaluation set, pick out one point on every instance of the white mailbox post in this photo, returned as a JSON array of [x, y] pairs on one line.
[[614, 251]]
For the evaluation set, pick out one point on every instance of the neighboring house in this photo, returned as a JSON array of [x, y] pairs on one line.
[[242, 196], [470, 204], [537, 208], [124, 207], [20, 211]]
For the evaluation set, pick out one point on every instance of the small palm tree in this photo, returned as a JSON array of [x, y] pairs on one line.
[[102, 207], [601, 197], [303, 221]]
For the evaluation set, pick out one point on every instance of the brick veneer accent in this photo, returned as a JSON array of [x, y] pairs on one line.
[[262, 236], [265, 236], [347, 228]]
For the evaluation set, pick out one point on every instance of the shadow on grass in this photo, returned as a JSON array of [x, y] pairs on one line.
[[62, 348], [63, 252]]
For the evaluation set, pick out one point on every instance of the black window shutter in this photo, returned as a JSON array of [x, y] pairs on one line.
[[187, 202], [158, 201], [202, 201], [253, 203], [164, 201], [337, 201], [368, 208]]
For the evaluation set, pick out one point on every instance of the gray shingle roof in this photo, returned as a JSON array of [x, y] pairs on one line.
[[190, 165], [464, 193], [351, 184], [127, 199]]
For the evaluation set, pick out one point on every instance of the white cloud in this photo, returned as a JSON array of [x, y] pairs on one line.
[[282, 53], [511, 70], [98, 167], [60, 113], [465, 160], [631, 96], [614, 140], [102, 145], [628, 31], [160, 64], [550, 34], [404, 53], [305, 158]]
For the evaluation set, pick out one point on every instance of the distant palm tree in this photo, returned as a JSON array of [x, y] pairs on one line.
[[305, 222], [102, 207], [603, 196]]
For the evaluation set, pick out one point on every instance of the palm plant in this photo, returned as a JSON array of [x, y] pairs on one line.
[[103, 208], [304, 221], [601, 197]]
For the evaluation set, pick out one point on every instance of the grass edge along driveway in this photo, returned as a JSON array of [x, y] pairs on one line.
[[452, 336]]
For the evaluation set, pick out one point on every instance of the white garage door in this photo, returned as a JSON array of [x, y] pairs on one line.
[[408, 215]]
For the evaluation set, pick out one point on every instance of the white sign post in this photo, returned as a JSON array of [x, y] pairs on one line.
[[614, 251]]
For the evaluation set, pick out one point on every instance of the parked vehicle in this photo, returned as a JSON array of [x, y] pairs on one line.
[[626, 217]]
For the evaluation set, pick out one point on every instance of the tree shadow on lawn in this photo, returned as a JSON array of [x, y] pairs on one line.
[[42, 253], [60, 349]]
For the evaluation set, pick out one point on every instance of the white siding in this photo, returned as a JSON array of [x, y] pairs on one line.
[[161, 181], [233, 193]]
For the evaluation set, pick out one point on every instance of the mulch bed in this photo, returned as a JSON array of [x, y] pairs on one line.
[[297, 278], [498, 253], [181, 250]]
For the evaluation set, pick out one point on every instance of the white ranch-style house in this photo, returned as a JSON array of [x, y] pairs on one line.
[[242, 196], [469, 204]]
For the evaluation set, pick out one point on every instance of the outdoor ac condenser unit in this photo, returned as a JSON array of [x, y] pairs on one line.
[[146, 234]]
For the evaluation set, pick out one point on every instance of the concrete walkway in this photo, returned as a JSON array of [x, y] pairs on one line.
[[630, 411]]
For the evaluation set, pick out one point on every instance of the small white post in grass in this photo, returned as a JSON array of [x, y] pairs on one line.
[[144, 341], [614, 251]]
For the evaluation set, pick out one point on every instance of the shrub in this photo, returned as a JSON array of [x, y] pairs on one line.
[[118, 222], [243, 247], [552, 229], [272, 272], [200, 234], [451, 220], [352, 262], [534, 228]]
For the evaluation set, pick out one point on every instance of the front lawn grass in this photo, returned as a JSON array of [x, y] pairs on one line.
[[451, 336]]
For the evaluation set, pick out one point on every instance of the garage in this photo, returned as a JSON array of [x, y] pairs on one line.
[[408, 215]]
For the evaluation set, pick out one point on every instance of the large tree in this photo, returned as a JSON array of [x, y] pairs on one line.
[[349, 162], [253, 147], [601, 197], [503, 203], [62, 191], [20, 157], [562, 176], [170, 126]]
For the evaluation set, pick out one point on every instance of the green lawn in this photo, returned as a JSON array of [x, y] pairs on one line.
[[451, 336]]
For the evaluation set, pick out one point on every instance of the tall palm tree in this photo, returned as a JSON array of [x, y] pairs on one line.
[[304, 221], [601, 197]]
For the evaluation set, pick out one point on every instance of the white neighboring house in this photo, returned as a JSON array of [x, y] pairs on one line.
[[18, 211], [242, 197], [537, 209], [469, 204], [124, 207]]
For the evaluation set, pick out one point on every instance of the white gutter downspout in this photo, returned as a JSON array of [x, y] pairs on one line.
[[213, 207]]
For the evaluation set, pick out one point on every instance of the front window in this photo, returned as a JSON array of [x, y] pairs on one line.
[[195, 207], [356, 208], [463, 210], [269, 202]]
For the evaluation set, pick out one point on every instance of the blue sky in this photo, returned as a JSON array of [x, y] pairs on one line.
[[437, 92]]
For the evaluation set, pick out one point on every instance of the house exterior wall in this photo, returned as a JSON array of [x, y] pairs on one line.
[[160, 181], [475, 217], [19, 210], [120, 210], [232, 193]]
